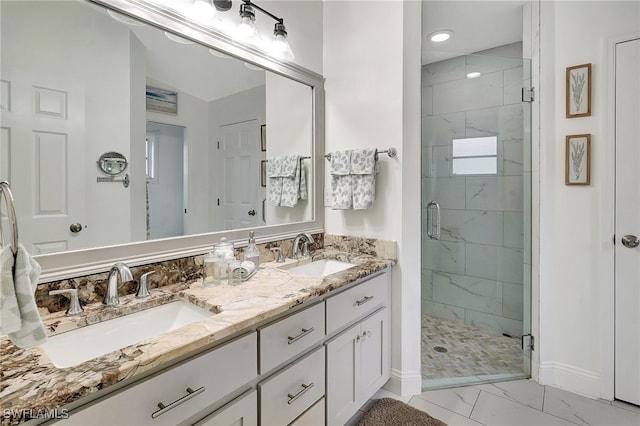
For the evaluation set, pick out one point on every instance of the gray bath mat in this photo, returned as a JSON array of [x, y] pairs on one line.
[[391, 412]]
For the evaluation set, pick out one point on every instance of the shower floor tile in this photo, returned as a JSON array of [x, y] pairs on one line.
[[453, 349]]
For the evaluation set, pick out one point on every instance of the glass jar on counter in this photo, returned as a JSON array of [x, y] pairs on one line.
[[216, 263]]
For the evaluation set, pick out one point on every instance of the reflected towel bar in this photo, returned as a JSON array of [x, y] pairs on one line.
[[11, 213], [391, 152]]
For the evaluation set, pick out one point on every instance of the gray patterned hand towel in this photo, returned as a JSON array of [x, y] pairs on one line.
[[363, 178], [290, 180], [340, 170], [274, 180]]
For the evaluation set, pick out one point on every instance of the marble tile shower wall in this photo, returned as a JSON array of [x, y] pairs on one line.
[[474, 273]]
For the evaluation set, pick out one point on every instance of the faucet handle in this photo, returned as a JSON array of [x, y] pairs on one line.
[[143, 290], [280, 258], [74, 306]]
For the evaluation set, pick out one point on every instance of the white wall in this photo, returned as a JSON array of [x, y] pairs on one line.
[[289, 116], [372, 69], [193, 116], [576, 223]]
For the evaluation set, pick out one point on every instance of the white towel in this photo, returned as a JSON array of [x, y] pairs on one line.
[[340, 169], [274, 181], [18, 311], [363, 178]]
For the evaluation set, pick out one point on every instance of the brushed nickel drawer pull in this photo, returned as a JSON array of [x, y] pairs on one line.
[[164, 408], [305, 388], [363, 301], [301, 335]]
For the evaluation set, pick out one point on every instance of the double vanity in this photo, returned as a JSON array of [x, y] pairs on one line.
[[301, 342]]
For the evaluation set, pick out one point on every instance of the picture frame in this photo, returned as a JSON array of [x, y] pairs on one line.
[[263, 173], [578, 160], [263, 137], [161, 100], [578, 91]]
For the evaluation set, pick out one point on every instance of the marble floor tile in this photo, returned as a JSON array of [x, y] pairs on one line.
[[585, 411], [497, 411], [447, 416], [626, 406], [459, 400], [526, 392]]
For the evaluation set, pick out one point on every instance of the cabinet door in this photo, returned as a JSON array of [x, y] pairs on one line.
[[242, 411], [375, 365], [342, 360]]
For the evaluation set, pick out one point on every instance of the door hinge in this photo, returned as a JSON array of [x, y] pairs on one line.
[[528, 94], [528, 342], [218, 201], [218, 144]]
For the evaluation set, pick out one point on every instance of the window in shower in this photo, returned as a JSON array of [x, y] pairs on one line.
[[475, 156]]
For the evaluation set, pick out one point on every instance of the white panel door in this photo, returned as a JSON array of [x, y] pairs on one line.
[[238, 153], [627, 252], [43, 134]]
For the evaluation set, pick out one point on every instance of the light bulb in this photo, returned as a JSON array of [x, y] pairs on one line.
[[202, 11], [246, 29], [280, 46]]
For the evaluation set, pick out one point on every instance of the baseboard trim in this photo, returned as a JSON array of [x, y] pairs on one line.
[[573, 379], [405, 383]]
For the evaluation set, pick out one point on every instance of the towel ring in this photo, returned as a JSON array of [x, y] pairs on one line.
[[11, 212]]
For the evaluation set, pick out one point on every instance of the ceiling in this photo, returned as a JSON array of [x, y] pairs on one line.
[[477, 24]]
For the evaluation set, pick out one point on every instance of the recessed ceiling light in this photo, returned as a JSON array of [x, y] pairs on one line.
[[474, 74], [440, 36]]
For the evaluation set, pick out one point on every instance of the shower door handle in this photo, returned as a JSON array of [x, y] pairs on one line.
[[433, 227]]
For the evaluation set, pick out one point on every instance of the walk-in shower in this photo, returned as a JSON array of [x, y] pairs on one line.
[[476, 218]]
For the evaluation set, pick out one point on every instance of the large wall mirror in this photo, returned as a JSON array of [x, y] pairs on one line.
[[196, 116]]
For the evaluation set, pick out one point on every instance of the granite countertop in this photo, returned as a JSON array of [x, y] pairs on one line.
[[30, 383]]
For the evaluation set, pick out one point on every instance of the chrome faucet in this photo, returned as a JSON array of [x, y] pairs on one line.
[[308, 239], [117, 270]]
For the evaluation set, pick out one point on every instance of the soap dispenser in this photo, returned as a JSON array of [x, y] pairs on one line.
[[252, 254]]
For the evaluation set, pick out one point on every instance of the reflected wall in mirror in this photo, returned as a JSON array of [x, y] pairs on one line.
[[74, 80]]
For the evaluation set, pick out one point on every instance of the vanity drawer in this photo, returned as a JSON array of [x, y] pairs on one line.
[[209, 377], [357, 302], [314, 416], [289, 393], [286, 338]]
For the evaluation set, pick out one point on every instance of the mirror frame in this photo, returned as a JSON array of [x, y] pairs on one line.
[[62, 265]]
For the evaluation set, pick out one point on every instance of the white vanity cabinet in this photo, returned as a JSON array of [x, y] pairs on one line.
[[359, 358], [172, 397]]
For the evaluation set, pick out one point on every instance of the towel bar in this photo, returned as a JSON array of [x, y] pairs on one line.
[[11, 213], [391, 152]]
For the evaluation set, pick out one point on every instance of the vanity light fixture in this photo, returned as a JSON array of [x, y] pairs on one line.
[[440, 36], [473, 74], [246, 30]]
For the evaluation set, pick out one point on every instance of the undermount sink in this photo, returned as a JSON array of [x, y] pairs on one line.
[[321, 268], [85, 343]]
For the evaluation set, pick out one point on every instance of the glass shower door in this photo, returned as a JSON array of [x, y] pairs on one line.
[[476, 204]]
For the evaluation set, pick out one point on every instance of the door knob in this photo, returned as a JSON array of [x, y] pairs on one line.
[[630, 241], [75, 227], [252, 212]]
